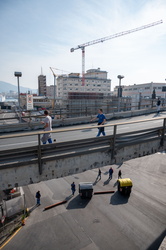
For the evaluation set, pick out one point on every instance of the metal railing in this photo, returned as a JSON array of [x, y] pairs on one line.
[[43, 153]]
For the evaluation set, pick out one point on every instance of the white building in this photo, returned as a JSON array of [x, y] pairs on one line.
[[141, 94], [145, 89], [50, 91], [95, 82], [2, 98]]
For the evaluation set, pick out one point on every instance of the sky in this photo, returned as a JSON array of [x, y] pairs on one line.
[[38, 34]]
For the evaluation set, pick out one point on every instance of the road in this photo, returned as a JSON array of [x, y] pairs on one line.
[[84, 133], [108, 221], [8, 114]]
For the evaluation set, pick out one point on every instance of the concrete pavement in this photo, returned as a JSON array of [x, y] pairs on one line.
[[108, 221]]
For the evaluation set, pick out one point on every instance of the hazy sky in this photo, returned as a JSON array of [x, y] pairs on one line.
[[40, 33]]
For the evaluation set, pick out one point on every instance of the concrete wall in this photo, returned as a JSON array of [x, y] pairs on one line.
[[24, 175]]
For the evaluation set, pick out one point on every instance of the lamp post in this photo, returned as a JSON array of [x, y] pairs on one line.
[[140, 96], [18, 74], [120, 77]]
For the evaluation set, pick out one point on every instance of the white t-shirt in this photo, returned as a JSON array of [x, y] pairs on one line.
[[48, 120]]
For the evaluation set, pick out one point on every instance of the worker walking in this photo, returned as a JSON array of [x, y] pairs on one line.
[[119, 174], [99, 175], [73, 188], [158, 105], [101, 120], [38, 195], [110, 173], [47, 127]]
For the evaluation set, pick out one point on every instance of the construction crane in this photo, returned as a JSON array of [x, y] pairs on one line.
[[55, 75], [58, 70], [82, 46], [54, 85]]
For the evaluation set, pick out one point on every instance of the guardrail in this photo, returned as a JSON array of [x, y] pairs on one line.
[[43, 153]]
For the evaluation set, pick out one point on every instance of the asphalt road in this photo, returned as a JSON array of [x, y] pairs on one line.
[[85, 133], [108, 221], [5, 115]]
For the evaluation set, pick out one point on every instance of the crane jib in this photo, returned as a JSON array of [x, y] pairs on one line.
[[82, 46], [116, 35]]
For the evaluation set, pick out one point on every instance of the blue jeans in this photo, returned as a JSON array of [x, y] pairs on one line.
[[49, 140], [38, 201], [101, 131]]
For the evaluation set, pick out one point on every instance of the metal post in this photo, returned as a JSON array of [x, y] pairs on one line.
[[54, 93], [19, 99], [119, 91], [113, 144], [163, 133], [39, 155], [18, 74], [119, 95]]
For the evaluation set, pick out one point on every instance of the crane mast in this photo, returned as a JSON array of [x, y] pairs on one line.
[[82, 46]]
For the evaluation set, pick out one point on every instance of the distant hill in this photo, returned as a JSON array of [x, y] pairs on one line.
[[6, 87]]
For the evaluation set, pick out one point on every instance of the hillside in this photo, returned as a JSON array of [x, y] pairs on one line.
[[6, 87]]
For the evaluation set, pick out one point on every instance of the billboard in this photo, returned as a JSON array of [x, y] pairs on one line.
[[29, 102]]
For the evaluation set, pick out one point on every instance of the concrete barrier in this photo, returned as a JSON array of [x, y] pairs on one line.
[[60, 167], [30, 126]]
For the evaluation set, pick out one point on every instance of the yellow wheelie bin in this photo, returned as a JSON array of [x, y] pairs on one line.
[[125, 186]]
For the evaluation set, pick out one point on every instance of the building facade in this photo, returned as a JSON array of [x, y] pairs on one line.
[[95, 82], [146, 90], [42, 90], [38, 101], [50, 91], [141, 94]]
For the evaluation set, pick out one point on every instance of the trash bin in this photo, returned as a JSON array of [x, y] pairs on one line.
[[85, 189], [125, 186]]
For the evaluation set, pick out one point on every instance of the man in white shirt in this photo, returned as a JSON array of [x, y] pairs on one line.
[[47, 127]]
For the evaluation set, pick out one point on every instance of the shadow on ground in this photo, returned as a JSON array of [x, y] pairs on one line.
[[33, 208], [77, 202], [107, 181], [156, 244], [118, 199]]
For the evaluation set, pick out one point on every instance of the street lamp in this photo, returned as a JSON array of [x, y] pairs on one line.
[[120, 77], [18, 74], [139, 102]]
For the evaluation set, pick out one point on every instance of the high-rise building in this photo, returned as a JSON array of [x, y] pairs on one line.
[[42, 91]]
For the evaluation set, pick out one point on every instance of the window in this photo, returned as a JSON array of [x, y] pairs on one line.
[[147, 87]]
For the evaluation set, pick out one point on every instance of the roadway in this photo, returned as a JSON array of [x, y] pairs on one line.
[[26, 141], [108, 221], [6, 115]]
